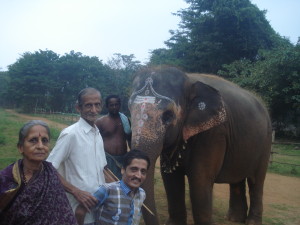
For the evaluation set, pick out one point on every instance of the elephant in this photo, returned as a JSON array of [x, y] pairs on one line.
[[206, 129]]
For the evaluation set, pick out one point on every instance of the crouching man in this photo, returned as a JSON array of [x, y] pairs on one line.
[[120, 202]]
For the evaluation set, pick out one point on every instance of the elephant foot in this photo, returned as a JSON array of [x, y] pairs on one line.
[[175, 222], [253, 222], [254, 217], [237, 217]]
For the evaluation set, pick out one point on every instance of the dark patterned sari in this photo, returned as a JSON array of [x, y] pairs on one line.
[[41, 202]]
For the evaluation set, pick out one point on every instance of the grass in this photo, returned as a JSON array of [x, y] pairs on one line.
[[64, 118], [288, 212], [9, 129], [285, 159]]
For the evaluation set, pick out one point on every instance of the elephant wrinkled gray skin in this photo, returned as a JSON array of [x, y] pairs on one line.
[[207, 129]]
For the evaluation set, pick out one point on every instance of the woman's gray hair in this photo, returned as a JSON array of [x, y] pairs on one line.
[[27, 126]]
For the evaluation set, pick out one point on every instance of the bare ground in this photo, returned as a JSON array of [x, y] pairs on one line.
[[281, 195], [49, 122], [281, 199]]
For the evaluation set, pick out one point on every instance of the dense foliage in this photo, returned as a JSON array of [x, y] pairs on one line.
[[216, 32], [44, 79], [4, 83], [276, 77]]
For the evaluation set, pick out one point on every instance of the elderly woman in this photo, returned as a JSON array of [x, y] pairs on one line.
[[30, 190]]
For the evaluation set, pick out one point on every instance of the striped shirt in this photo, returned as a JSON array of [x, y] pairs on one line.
[[116, 206]]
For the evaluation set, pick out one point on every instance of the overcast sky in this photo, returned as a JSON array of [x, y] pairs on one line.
[[104, 27]]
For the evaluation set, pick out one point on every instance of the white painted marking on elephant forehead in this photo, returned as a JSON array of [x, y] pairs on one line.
[[144, 99], [149, 96], [201, 106], [147, 86]]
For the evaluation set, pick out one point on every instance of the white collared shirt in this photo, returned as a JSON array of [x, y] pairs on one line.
[[79, 157]]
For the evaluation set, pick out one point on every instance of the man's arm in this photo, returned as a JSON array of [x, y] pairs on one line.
[[80, 214], [59, 154], [83, 197], [101, 195]]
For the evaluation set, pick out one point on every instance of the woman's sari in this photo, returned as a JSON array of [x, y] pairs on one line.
[[42, 201]]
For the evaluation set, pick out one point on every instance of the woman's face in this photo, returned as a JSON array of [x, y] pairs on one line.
[[36, 144]]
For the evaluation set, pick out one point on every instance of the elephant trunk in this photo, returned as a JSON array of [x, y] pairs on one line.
[[147, 136], [148, 186]]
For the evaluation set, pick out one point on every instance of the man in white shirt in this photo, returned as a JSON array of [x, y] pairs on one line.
[[79, 154]]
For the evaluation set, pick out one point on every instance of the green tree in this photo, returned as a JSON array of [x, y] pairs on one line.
[[276, 77], [216, 32], [123, 66], [4, 83], [74, 72], [30, 75], [44, 79]]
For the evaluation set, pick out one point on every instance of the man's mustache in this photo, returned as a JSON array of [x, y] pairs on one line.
[[92, 114], [138, 179]]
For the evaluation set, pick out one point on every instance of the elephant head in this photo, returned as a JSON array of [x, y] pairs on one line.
[[167, 108]]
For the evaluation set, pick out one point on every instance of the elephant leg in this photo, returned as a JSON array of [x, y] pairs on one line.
[[203, 164], [256, 204], [201, 203], [175, 189], [238, 207]]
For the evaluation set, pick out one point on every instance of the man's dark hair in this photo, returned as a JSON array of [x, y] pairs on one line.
[[85, 91], [110, 97], [135, 154]]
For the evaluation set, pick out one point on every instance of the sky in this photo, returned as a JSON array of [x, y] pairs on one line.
[[104, 27]]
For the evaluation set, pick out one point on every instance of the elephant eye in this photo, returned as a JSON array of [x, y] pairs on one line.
[[167, 117]]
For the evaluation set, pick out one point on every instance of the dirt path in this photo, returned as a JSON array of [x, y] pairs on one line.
[[281, 198], [281, 193], [277, 190], [51, 123]]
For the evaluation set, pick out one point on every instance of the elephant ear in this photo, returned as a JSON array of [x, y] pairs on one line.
[[205, 110]]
